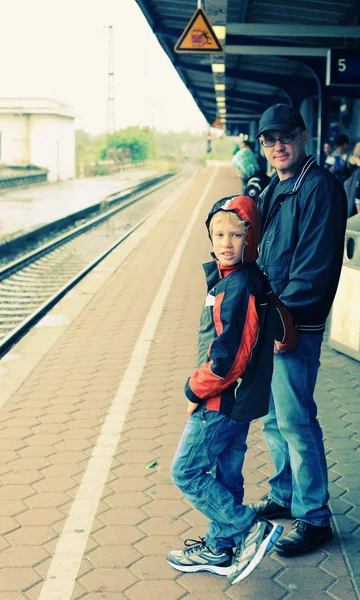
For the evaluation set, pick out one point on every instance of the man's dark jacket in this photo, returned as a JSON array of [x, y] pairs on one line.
[[302, 243]]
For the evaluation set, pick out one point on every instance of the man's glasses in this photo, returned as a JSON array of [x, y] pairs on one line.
[[285, 138]]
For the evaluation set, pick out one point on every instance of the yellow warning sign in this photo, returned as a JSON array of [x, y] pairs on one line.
[[199, 36]]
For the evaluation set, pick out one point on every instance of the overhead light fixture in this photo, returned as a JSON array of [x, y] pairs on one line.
[[221, 104], [222, 110], [220, 87], [220, 99], [220, 31], [218, 67]]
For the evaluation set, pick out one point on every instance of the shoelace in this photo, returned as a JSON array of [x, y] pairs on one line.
[[193, 545], [238, 552], [301, 525]]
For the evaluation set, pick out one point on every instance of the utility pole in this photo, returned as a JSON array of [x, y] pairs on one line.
[[111, 89]]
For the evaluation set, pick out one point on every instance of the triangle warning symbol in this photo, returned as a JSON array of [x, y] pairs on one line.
[[199, 36]]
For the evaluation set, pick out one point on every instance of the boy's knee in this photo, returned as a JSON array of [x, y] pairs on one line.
[[177, 478]]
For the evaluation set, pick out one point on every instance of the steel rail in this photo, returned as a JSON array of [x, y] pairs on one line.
[[10, 272]]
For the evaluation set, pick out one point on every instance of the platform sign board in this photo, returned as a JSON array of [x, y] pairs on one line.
[[199, 36], [343, 67]]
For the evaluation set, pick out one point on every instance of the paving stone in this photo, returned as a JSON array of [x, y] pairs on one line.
[[342, 589], [157, 525], [21, 557], [306, 578], [101, 580], [30, 536], [8, 525], [255, 589], [12, 508], [153, 567], [128, 499], [166, 508], [155, 590], [119, 534], [117, 556], [130, 484], [115, 516], [15, 579], [40, 516]]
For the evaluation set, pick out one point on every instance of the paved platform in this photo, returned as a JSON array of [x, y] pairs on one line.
[[23, 209], [93, 396]]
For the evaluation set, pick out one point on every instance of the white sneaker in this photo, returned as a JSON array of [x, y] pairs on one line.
[[196, 556], [258, 542]]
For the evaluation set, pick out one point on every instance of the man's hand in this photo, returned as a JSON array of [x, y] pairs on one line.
[[279, 348], [191, 407]]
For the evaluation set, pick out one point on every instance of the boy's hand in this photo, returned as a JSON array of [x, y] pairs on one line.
[[191, 407]]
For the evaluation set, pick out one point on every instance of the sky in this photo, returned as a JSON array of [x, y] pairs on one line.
[[58, 49]]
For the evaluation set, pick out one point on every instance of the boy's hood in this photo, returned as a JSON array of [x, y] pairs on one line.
[[246, 209]]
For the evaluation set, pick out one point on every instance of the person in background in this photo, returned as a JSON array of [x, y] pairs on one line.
[[352, 185], [245, 163], [258, 182], [345, 168], [331, 158], [303, 214], [251, 170]]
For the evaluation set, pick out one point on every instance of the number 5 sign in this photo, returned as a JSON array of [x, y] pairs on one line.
[[343, 67]]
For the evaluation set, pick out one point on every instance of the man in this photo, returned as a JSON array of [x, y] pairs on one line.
[[342, 147], [352, 185], [303, 213]]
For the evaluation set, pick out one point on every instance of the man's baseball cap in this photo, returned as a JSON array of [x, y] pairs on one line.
[[280, 117]]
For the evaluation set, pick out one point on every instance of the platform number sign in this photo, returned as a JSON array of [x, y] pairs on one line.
[[343, 67]]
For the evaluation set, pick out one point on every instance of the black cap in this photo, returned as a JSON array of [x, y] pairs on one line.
[[280, 117]]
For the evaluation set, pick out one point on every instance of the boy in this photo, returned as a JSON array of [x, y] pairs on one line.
[[239, 323]]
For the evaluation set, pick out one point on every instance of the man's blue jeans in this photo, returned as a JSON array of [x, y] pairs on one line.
[[207, 468], [293, 434]]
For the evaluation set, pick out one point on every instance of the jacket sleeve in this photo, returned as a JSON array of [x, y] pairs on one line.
[[317, 259], [236, 325]]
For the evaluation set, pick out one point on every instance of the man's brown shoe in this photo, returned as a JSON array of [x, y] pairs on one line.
[[303, 538], [269, 509]]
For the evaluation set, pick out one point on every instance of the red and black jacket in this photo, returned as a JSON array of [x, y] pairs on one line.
[[239, 323]]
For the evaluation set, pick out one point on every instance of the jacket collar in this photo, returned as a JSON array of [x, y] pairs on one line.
[[299, 177]]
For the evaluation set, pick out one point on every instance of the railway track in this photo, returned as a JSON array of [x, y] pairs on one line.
[[33, 284]]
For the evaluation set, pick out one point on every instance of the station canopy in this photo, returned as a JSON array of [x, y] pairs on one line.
[[274, 51]]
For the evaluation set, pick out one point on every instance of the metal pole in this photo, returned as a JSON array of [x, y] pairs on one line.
[[111, 89]]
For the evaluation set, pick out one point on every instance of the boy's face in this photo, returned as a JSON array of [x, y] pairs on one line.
[[228, 240]]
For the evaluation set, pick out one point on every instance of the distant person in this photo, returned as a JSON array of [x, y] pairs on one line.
[[245, 163], [352, 185], [303, 215], [236, 149], [231, 386], [342, 147], [331, 158], [257, 182]]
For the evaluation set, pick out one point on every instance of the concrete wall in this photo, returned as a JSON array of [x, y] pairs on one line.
[[13, 142], [52, 145], [47, 141]]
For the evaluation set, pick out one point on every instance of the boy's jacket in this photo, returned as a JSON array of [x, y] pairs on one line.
[[239, 323]]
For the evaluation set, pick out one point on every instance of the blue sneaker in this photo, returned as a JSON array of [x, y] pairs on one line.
[[196, 557], [258, 542]]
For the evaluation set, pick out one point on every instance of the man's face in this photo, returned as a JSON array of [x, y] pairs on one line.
[[328, 149], [285, 157]]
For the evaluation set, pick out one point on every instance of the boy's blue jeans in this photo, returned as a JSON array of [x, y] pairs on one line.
[[293, 434], [207, 468]]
